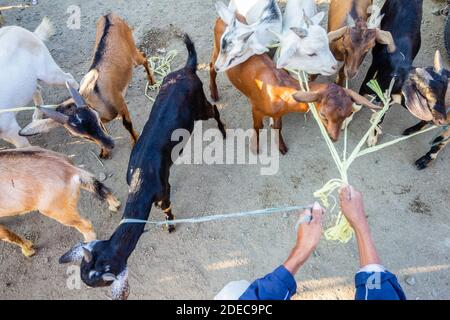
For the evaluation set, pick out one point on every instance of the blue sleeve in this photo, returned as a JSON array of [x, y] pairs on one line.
[[278, 285], [378, 286]]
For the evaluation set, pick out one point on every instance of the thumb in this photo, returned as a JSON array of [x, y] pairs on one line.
[[317, 213]]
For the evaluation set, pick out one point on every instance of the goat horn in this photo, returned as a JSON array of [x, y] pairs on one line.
[[54, 115], [109, 277], [438, 66], [302, 33], [307, 19], [359, 99], [385, 37], [87, 255], [337, 34], [79, 100], [307, 97]]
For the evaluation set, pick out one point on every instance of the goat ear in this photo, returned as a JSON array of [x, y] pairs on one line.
[[224, 12], [39, 126], [88, 82], [87, 254], [317, 19], [350, 21], [438, 66], [337, 34], [276, 34], [73, 255], [302, 33], [120, 289], [307, 19], [307, 97], [79, 100], [258, 48], [422, 73], [385, 37], [57, 116], [375, 20], [359, 99], [78, 252]]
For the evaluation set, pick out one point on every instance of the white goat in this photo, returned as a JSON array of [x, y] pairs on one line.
[[240, 41], [304, 43], [24, 61]]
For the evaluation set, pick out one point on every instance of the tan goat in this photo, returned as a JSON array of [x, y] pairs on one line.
[[35, 179], [105, 85], [353, 32]]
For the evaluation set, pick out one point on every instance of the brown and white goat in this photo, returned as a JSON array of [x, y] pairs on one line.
[[105, 85], [274, 93], [35, 179], [353, 32]]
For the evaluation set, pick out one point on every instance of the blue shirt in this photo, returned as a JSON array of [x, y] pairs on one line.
[[281, 285]]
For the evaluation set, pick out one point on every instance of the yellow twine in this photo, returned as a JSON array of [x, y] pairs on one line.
[[161, 68], [342, 231]]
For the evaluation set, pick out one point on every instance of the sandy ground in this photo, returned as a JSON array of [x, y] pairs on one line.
[[408, 210]]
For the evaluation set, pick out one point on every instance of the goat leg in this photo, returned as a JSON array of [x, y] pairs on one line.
[[258, 124], [121, 105], [277, 125], [38, 101], [68, 215], [415, 128], [11, 237], [166, 206], [341, 76], [219, 122], [213, 76], [10, 131], [141, 59], [438, 144]]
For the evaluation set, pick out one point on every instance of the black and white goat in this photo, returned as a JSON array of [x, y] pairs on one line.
[[24, 62], [180, 102]]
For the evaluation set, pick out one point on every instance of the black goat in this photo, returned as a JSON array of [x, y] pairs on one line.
[[403, 19], [421, 91], [180, 102], [424, 94]]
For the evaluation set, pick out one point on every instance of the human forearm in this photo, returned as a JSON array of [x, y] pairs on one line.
[[297, 258], [367, 251]]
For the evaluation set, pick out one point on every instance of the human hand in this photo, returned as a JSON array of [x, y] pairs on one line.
[[308, 237], [352, 205], [310, 233]]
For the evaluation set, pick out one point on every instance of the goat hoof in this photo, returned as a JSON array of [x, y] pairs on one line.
[[214, 96], [283, 150], [105, 155], [170, 228], [423, 162], [408, 132], [28, 251]]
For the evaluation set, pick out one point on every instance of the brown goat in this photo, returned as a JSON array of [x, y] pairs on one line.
[[352, 34], [273, 93], [35, 179], [105, 85]]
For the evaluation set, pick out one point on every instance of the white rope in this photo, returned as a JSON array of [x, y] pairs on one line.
[[220, 217]]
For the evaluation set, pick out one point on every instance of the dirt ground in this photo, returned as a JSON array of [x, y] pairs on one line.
[[409, 210]]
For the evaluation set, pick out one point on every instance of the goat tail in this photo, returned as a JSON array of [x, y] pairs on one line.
[[88, 83], [91, 184], [45, 30], [192, 60]]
